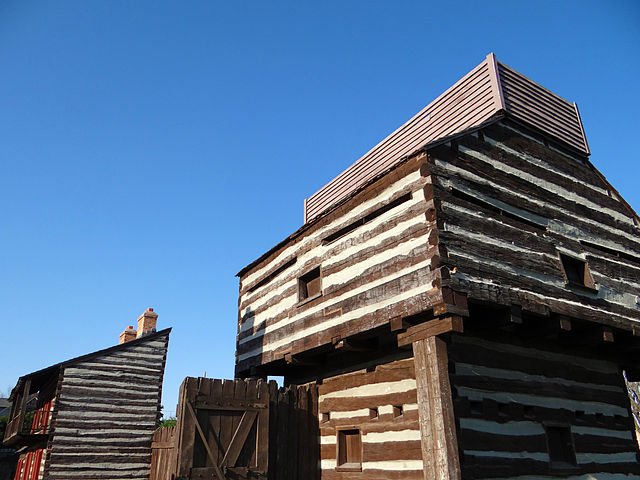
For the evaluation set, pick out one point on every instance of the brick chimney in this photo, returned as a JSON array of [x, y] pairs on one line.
[[147, 322], [127, 335]]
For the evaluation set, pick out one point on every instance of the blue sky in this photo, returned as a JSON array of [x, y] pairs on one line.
[[150, 150]]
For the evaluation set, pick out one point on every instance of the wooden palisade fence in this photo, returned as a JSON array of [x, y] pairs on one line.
[[239, 429], [163, 454]]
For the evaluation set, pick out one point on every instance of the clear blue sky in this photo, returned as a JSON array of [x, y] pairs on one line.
[[150, 150]]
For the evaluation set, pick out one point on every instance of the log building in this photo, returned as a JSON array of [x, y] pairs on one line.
[[93, 416], [465, 296]]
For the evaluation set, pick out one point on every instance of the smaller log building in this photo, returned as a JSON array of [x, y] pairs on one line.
[[93, 416], [465, 298]]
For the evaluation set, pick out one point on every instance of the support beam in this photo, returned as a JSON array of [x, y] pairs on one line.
[[435, 410], [430, 328]]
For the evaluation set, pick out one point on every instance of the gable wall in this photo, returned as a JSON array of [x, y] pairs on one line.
[[379, 270], [107, 410], [505, 393], [507, 261]]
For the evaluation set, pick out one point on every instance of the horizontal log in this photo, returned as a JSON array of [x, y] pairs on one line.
[[430, 329]]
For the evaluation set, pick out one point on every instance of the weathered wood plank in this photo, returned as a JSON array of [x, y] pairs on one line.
[[435, 407]]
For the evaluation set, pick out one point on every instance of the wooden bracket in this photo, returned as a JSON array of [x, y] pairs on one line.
[[398, 324], [550, 327], [565, 323], [515, 314], [350, 345], [596, 334], [430, 328]]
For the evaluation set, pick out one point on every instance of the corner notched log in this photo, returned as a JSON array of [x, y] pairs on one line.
[[435, 409]]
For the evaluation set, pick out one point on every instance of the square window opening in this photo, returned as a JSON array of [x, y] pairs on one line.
[[576, 271], [349, 454], [397, 410], [310, 285]]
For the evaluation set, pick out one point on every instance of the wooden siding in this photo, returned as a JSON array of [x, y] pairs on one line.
[[391, 446], [509, 207], [487, 90], [469, 102], [376, 271], [107, 409], [507, 392]]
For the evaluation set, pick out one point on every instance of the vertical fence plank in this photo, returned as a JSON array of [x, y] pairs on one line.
[[163, 454], [187, 429]]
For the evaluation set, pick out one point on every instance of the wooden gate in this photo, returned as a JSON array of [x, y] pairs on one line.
[[246, 429], [163, 454]]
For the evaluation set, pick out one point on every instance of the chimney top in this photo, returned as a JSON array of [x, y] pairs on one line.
[[127, 335], [147, 322]]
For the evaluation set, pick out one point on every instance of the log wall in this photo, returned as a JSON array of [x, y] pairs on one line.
[[510, 205], [382, 404], [374, 270], [506, 393], [107, 410]]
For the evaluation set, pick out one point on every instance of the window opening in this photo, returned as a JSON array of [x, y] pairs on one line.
[[397, 410], [576, 271], [310, 285], [373, 412], [560, 444], [349, 454]]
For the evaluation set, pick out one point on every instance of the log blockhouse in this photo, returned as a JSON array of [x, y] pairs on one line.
[[466, 298], [94, 415]]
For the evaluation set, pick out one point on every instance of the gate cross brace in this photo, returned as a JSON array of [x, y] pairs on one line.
[[219, 473], [239, 437]]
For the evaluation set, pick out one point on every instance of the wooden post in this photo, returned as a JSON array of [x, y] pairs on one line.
[[435, 410], [186, 430]]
